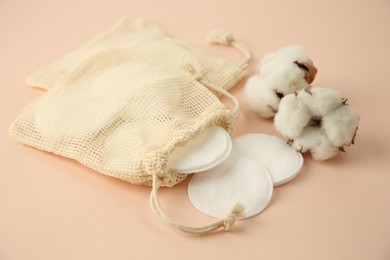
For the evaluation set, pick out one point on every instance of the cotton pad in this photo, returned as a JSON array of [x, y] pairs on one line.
[[206, 151], [238, 179], [281, 160]]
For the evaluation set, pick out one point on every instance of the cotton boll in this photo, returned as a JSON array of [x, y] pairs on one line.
[[290, 63], [315, 140], [267, 63], [292, 116], [296, 55], [287, 54], [308, 139], [260, 97], [280, 68], [317, 120], [294, 52], [287, 78], [341, 125], [324, 151], [280, 73], [320, 101]]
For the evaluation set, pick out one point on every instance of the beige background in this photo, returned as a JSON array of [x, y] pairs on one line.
[[54, 208]]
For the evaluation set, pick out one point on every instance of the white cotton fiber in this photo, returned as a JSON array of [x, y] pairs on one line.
[[314, 119], [280, 73], [288, 81], [317, 120], [280, 69], [325, 151], [292, 116], [308, 139], [260, 98], [314, 139], [294, 52], [341, 125], [287, 53], [267, 63], [320, 101]]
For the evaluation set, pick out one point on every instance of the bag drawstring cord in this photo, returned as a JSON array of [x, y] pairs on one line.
[[226, 222], [231, 218], [236, 109], [229, 40]]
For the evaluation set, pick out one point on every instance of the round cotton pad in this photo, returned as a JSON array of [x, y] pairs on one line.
[[238, 179], [281, 160], [207, 150]]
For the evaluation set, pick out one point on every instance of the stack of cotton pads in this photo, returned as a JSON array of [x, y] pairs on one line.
[[208, 150], [228, 172]]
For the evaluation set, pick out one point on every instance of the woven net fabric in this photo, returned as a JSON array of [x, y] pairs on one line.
[[146, 40], [123, 102]]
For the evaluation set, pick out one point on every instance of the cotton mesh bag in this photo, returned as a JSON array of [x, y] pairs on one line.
[[122, 103]]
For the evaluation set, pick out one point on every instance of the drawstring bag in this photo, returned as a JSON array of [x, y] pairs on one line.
[[126, 100]]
